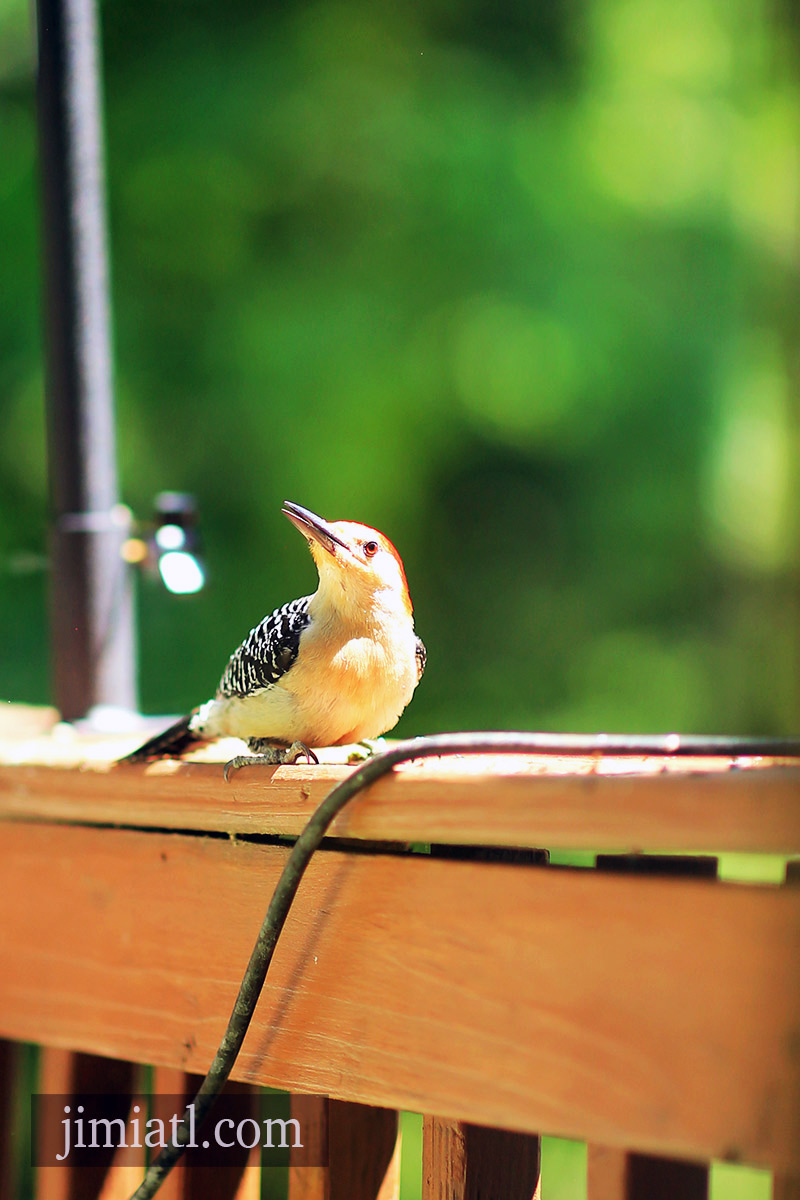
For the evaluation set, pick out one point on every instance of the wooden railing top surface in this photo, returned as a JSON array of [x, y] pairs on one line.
[[600, 803]]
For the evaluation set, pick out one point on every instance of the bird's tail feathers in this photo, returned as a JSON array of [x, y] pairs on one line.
[[170, 743]]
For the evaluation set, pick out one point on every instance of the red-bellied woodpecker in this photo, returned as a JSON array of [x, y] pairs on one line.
[[329, 669]]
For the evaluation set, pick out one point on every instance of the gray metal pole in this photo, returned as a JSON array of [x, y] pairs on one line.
[[91, 596]]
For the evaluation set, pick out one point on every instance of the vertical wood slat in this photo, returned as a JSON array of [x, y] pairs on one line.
[[9, 1081], [606, 1173], [616, 1174], [169, 1081], [787, 1187], [793, 871], [363, 1151], [472, 1162], [127, 1167], [239, 1178], [469, 1162], [117, 1174], [63, 1072]]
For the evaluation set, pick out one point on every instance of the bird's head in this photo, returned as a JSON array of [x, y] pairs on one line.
[[355, 562]]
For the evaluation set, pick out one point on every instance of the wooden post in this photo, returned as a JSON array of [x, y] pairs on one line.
[[468, 1162], [787, 1187], [237, 1179], [472, 1162], [65, 1073], [9, 1081], [616, 1174], [363, 1151]]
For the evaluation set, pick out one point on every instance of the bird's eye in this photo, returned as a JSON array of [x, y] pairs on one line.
[[370, 548]]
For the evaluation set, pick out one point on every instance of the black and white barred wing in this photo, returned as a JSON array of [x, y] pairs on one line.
[[422, 657], [267, 652]]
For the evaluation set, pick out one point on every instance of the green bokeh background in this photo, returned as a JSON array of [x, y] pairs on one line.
[[516, 283]]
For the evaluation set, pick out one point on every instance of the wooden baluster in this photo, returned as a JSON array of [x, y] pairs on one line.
[[127, 1168], [616, 1174], [69, 1074], [169, 1084], [239, 1176], [606, 1173], [9, 1082], [363, 1151], [787, 1187], [472, 1162], [468, 1162]]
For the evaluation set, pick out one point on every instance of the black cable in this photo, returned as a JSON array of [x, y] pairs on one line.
[[439, 745]]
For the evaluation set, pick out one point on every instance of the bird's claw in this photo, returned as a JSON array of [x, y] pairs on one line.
[[233, 764], [300, 750], [273, 756]]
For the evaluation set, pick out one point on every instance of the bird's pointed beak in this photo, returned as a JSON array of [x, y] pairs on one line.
[[312, 526]]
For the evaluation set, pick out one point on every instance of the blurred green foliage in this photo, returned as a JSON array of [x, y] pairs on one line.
[[516, 283]]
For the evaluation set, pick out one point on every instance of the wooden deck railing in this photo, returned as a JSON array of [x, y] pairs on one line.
[[655, 1015]]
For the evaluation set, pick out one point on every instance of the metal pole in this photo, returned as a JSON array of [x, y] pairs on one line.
[[91, 596]]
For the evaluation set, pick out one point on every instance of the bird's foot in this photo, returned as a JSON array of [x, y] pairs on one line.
[[270, 756], [300, 750], [366, 748]]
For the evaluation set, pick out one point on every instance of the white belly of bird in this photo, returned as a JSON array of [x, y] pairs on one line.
[[332, 695]]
